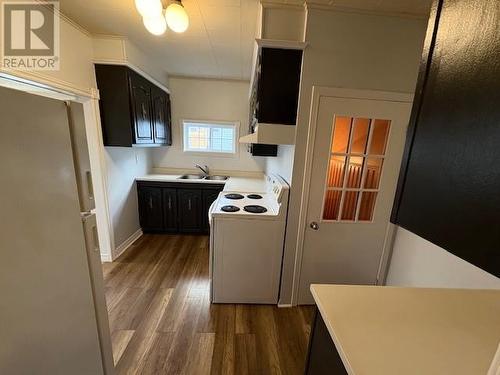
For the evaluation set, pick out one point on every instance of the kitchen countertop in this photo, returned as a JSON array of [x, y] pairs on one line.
[[236, 184], [388, 330]]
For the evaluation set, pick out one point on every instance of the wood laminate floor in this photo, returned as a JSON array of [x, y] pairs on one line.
[[162, 322]]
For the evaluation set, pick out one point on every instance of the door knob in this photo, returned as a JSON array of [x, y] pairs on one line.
[[314, 225]]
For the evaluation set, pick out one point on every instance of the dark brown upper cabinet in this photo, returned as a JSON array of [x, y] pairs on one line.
[[275, 92], [448, 190], [161, 116], [134, 111]]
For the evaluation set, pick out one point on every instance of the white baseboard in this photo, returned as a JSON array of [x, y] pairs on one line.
[[284, 305], [120, 249]]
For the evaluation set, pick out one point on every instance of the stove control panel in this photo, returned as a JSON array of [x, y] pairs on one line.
[[275, 187]]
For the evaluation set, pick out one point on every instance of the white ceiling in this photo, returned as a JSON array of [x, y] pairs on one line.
[[218, 42], [220, 37]]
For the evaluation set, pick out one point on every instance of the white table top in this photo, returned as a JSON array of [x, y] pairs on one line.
[[388, 330]]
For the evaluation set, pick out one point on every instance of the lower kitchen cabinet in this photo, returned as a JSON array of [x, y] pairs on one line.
[[151, 209], [208, 197], [170, 207], [189, 201], [170, 210], [323, 358]]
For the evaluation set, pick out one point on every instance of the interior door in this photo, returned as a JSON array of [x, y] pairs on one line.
[[356, 157]]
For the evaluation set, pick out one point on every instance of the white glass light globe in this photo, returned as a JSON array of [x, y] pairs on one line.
[[155, 25], [177, 18], [149, 8]]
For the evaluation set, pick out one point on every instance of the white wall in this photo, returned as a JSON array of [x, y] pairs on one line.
[[282, 164], [347, 50], [123, 166], [417, 262], [207, 99], [119, 50]]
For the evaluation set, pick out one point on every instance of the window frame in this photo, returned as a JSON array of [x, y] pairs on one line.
[[223, 123]]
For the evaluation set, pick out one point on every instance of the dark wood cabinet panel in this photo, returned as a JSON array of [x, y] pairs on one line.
[[275, 92], [448, 188], [189, 206], [323, 358], [151, 209], [208, 197], [170, 207], [170, 210], [161, 117], [134, 111], [278, 88], [114, 102], [140, 90]]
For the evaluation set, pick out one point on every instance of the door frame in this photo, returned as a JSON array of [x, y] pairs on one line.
[[335, 92]]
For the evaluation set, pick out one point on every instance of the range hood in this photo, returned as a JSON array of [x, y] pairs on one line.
[[273, 134]]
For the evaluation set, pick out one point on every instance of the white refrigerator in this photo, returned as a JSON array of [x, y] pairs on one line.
[[53, 317]]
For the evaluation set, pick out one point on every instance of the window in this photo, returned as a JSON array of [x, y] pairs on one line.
[[353, 178], [208, 136]]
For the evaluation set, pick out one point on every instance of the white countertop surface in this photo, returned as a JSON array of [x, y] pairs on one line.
[[235, 184], [394, 331]]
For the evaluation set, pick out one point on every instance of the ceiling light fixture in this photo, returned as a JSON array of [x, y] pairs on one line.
[[149, 8], [176, 17], [156, 23]]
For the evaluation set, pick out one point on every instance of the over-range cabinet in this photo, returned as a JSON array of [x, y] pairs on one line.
[[449, 184], [274, 98], [134, 111]]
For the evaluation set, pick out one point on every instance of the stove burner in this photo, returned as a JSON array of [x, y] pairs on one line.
[[234, 196], [254, 209], [254, 196], [229, 208]]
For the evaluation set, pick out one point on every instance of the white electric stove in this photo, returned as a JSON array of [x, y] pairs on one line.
[[247, 233]]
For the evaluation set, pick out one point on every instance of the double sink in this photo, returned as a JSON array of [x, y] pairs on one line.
[[202, 177]]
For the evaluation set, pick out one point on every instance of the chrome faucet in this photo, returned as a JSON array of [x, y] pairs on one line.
[[204, 170]]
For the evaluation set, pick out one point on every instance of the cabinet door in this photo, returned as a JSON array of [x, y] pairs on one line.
[[189, 208], [150, 208], [209, 196], [170, 209], [141, 109], [161, 117]]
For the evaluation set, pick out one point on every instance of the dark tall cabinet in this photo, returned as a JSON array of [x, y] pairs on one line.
[[275, 92], [449, 185], [134, 111]]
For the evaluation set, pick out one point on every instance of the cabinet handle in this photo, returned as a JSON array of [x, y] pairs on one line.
[[169, 203], [189, 204], [151, 202], [90, 185], [143, 110]]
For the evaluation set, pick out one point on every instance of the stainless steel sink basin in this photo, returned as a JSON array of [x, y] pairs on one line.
[[216, 178], [191, 177]]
